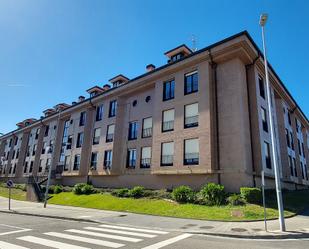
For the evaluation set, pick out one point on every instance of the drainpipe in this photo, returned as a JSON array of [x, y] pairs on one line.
[[214, 68], [249, 111]]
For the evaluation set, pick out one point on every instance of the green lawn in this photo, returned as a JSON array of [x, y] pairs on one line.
[[16, 194], [294, 202]]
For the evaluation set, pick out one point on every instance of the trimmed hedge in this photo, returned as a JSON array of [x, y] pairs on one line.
[[251, 195], [83, 189], [183, 194], [212, 194], [123, 192], [137, 192]]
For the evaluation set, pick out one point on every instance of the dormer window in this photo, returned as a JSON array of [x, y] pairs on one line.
[[93, 94], [118, 80], [177, 57], [178, 53]]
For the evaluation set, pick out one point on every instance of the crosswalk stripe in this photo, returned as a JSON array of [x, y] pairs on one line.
[[134, 229], [86, 240], [168, 241], [110, 236], [5, 245], [50, 243], [121, 232]]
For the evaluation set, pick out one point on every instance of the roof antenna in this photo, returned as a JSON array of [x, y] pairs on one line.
[[193, 39]]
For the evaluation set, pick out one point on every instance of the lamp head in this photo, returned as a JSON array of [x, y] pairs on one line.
[[263, 19]]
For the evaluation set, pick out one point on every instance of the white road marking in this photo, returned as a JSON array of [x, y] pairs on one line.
[[134, 229], [19, 229], [168, 242], [5, 245], [86, 240], [50, 243], [121, 232], [110, 236]]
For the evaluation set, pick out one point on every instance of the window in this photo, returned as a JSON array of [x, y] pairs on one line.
[[302, 170], [13, 154], [94, 159], [34, 149], [167, 154], [287, 138], [17, 154], [146, 157], [262, 87], [294, 164], [289, 118], [296, 125], [305, 170], [292, 140], [112, 108], [69, 142], [76, 162], [147, 127], [25, 167], [267, 155], [10, 143], [28, 151], [14, 169], [99, 113], [96, 136], [168, 120], [51, 147], [131, 160], [41, 166], [191, 82], [299, 148], [108, 157], [191, 115], [264, 119], [46, 131], [82, 119], [37, 133], [133, 128], [16, 140], [43, 148], [48, 162], [66, 163], [191, 156], [80, 139], [168, 90], [291, 166], [110, 133]]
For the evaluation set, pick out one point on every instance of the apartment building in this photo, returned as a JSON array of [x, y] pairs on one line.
[[201, 117]]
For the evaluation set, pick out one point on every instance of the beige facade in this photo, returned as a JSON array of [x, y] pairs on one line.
[[200, 118]]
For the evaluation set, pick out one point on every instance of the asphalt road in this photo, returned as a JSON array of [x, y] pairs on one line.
[[21, 232]]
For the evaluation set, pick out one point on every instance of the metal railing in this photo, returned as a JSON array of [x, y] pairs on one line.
[[191, 158], [191, 121], [107, 164], [147, 132], [110, 137], [131, 163], [145, 162]]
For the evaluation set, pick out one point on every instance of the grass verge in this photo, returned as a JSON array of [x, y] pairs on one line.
[[16, 194]]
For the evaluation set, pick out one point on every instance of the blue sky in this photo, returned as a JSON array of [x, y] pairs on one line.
[[52, 51]]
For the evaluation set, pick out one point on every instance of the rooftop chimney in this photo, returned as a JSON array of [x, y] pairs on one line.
[[150, 67], [81, 98], [106, 87]]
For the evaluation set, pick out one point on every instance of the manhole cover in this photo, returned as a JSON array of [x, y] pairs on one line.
[[122, 215], [207, 227], [238, 229]]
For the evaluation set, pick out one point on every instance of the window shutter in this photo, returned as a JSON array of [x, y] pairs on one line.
[[191, 110], [146, 152], [191, 146], [168, 115], [147, 123], [168, 149]]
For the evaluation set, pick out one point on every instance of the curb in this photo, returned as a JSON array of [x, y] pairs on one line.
[[50, 216]]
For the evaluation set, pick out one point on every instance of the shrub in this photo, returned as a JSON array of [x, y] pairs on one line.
[[58, 189], [123, 192], [251, 195], [212, 194], [183, 194], [235, 200], [83, 189], [23, 187], [137, 192]]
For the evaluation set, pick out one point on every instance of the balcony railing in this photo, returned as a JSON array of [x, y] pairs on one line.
[[147, 132], [145, 163], [191, 121], [191, 159], [109, 137], [107, 164], [168, 125], [167, 160], [131, 163], [96, 140]]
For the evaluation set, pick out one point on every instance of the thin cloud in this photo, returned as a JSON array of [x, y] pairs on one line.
[[15, 85]]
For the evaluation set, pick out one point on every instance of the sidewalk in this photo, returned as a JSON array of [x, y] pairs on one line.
[[298, 227]]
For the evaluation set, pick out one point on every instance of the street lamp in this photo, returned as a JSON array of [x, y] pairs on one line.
[[263, 20]]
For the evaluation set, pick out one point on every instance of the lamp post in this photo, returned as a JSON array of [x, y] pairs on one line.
[[263, 20]]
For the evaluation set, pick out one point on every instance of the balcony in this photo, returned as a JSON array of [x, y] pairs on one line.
[[168, 126], [191, 121], [147, 132], [145, 163], [191, 159], [167, 160]]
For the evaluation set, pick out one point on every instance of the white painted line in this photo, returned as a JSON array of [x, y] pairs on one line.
[[19, 229], [50, 243], [135, 229], [85, 240], [168, 242], [110, 236], [121, 232], [5, 245]]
